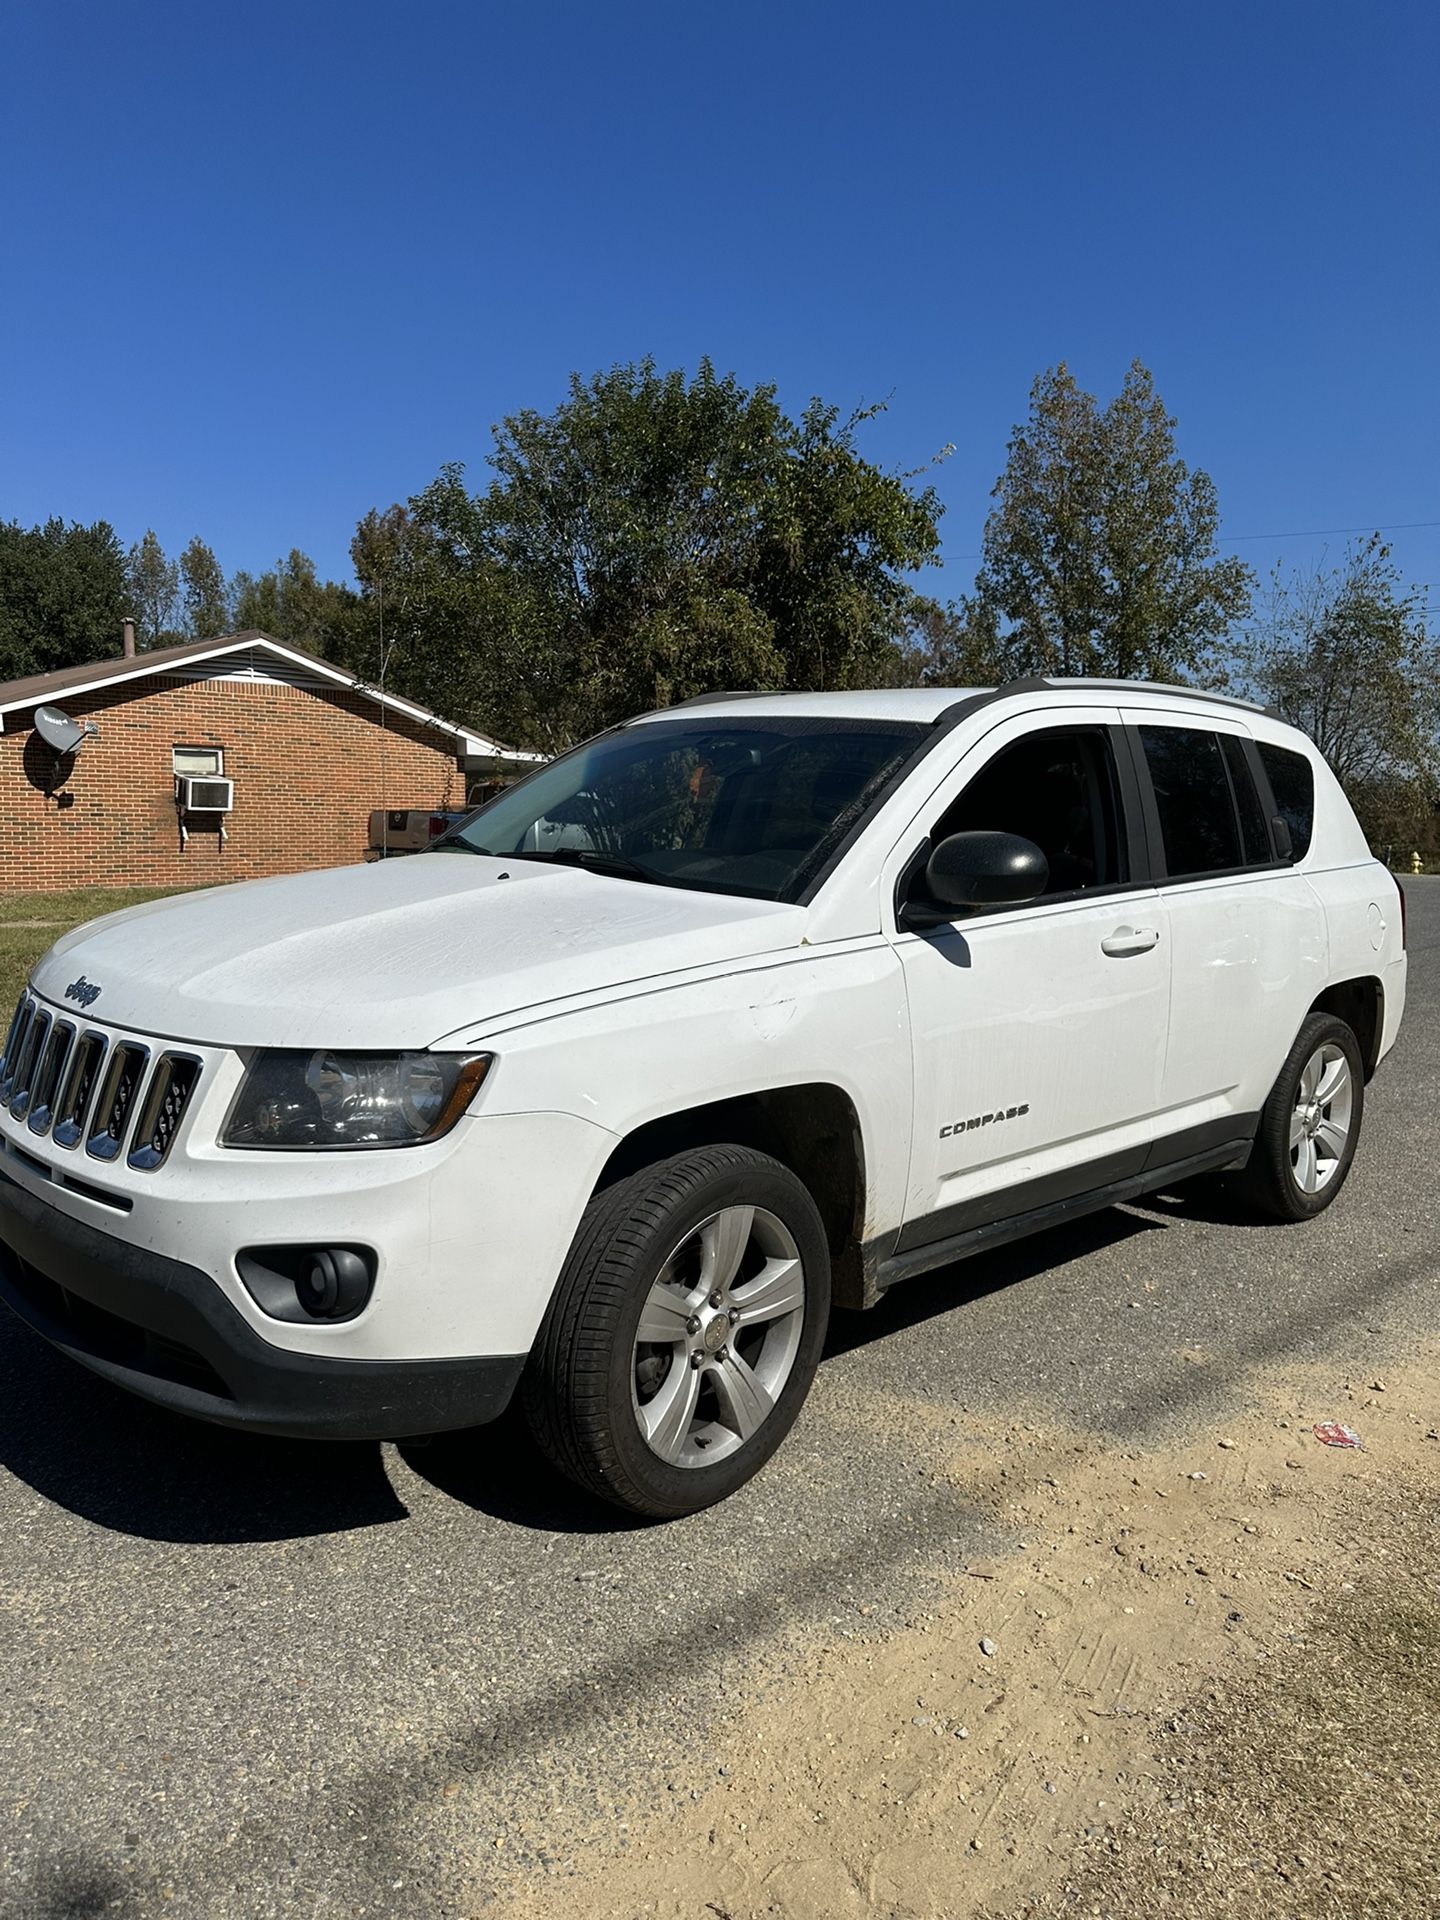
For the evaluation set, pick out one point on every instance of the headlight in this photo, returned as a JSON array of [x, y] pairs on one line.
[[328, 1100]]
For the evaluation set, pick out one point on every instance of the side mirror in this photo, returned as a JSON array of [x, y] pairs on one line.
[[978, 869]]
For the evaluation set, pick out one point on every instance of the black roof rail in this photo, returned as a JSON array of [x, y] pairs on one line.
[[1057, 683]]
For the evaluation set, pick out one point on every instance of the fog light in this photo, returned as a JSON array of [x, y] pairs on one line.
[[308, 1283], [333, 1283]]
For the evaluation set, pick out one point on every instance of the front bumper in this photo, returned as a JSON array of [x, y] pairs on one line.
[[165, 1331]]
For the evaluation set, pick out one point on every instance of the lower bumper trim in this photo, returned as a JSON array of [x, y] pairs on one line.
[[165, 1331]]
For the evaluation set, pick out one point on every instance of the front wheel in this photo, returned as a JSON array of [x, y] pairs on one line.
[[1310, 1124], [684, 1333]]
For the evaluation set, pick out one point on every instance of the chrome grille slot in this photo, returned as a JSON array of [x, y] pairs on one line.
[[117, 1099], [75, 1094], [22, 1007], [48, 1075], [15, 1046], [27, 1058], [166, 1098]]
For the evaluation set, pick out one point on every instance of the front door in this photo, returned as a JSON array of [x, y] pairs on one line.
[[1038, 1032]]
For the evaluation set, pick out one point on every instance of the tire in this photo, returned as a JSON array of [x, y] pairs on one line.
[[1303, 1147], [667, 1426]]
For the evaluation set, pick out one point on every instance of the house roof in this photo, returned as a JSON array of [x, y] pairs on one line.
[[40, 688]]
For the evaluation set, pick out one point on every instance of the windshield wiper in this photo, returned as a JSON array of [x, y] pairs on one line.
[[594, 861]]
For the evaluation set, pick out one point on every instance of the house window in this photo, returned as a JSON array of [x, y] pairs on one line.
[[198, 763]]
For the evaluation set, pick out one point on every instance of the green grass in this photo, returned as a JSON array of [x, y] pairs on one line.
[[21, 945]]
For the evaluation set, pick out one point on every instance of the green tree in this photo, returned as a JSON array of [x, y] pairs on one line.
[[1099, 556], [62, 596], [153, 582], [957, 645], [206, 597], [1344, 654], [653, 538], [290, 602]]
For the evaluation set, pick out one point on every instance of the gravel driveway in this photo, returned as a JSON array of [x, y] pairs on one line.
[[247, 1678]]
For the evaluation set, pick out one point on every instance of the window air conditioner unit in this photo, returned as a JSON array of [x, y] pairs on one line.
[[195, 795]]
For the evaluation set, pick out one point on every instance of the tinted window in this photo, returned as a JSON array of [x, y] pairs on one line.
[[1254, 834], [1192, 793], [1292, 781], [1057, 790], [726, 806]]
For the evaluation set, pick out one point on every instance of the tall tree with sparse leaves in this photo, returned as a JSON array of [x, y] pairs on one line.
[[1344, 653], [153, 582], [206, 597], [1100, 553]]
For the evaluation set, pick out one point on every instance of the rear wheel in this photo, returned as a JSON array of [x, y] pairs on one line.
[[684, 1333], [1310, 1124]]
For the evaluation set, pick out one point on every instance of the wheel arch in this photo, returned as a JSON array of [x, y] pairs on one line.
[[813, 1129], [1360, 1003]]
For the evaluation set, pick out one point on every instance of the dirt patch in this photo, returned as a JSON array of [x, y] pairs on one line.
[[1195, 1679]]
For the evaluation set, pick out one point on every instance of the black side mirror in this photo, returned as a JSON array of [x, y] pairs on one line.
[[978, 869]]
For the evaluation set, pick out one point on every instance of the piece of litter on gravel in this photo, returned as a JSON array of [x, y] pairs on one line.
[[962, 1733], [987, 1647], [1196, 1476], [1229, 1445], [1334, 1433]]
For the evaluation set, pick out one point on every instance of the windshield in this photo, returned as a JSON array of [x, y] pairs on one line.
[[735, 806]]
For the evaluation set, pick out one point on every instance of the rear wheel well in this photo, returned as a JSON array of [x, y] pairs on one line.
[[1361, 1005], [813, 1130]]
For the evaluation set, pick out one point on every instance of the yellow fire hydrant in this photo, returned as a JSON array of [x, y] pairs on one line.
[[1417, 865]]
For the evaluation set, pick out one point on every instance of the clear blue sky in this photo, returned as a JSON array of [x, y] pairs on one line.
[[266, 267]]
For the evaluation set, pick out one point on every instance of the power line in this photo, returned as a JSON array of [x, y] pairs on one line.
[[1308, 533], [1317, 533]]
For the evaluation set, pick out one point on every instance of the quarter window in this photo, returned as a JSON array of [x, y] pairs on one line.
[[1292, 781], [1198, 823]]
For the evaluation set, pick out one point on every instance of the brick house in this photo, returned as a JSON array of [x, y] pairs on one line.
[[307, 749]]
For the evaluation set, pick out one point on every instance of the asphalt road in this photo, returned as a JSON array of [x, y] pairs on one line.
[[249, 1678]]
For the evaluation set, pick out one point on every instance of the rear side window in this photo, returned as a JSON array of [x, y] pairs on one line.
[[1192, 792], [1292, 781]]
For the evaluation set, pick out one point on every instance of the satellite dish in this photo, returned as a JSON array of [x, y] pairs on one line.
[[59, 731]]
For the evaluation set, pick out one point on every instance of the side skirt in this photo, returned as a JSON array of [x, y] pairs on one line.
[[906, 1265]]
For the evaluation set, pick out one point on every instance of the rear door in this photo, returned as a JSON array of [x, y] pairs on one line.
[[1245, 933], [1038, 1032]]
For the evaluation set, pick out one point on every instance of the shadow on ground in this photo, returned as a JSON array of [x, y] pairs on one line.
[[123, 1464]]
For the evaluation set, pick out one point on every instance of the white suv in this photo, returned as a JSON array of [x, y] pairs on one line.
[[741, 1007]]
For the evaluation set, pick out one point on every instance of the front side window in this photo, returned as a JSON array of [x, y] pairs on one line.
[[1292, 781], [752, 807], [1057, 790], [1198, 823]]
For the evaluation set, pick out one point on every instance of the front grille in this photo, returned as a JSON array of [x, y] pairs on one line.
[[71, 1082], [74, 1102], [18, 1021], [171, 1086], [117, 1099], [48, 1074], [27, 1058]]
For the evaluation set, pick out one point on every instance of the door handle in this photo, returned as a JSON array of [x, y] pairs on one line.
[[1130, 940]]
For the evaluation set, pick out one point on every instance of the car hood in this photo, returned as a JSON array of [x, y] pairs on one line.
[[395, 954]]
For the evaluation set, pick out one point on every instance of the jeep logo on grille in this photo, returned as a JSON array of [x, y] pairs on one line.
[[83, 991]]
